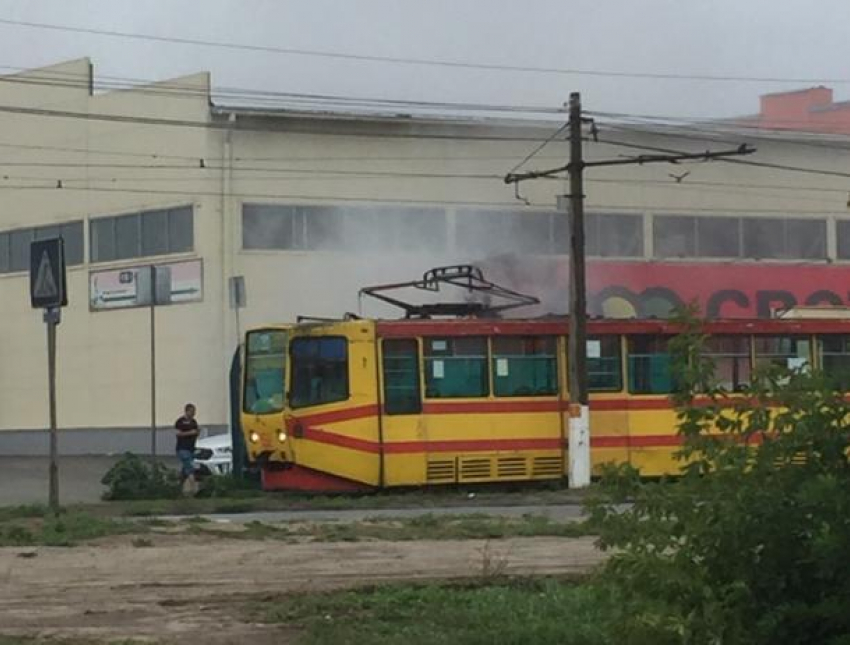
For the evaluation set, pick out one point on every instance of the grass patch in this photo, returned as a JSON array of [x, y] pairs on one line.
[[425, 527], [22, 511], [444, 527], [239, 498], [65, 529], [37, 640], [542, 612]]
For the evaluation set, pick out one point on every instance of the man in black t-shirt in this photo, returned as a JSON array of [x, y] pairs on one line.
[[187, 435]]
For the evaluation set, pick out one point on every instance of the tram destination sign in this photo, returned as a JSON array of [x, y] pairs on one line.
[[48, 283]]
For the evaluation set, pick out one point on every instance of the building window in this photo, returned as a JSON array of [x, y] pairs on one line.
[[525, 366], [456, 367], [319, 371], [143, 234], [610, 235], [718, 237], [778, 238], [493, 232], [343, 228], [674, 236], [681, 236], [604, 369], [15, 245], [401, 377], [842, 232]]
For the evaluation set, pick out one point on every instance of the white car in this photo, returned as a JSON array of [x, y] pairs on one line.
[[214, 455]]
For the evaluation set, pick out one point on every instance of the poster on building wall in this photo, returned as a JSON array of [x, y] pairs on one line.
[[169, 283]]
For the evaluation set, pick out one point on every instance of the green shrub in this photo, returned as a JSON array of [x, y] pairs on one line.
[[751, 544], [135, 478], [228, 486]]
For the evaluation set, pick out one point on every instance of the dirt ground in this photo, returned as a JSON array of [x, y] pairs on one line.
[[185, 586]]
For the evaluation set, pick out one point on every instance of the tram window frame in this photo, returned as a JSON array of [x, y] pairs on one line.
[[439, 353], [842, 378], [296, 358], [251, 373], [506, 350], [393, 406], [719, 350], [631, 355], [607, 343], [763, 359]]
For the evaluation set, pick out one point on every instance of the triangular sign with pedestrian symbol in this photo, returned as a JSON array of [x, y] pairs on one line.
[[45, 285], [48, 288]]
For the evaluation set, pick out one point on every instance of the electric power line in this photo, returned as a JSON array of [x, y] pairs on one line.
[[221, 125], [417, 61], [71, 80]]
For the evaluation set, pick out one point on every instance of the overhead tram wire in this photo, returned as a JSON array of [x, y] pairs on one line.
[[743, 162], [388, 200], [695, 131], [216, 125], [704, 187], [711, 127], [170, 88], [406, 60]]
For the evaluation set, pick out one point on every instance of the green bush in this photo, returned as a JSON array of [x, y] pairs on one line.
[[135, 478], [751, 544], [228, 486]]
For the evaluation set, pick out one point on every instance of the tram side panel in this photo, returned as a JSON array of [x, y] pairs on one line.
[[333, 414]]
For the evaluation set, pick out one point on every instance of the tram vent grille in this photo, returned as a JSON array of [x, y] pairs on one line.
[[478, 468], [512, 467], [442, 470], [547, 467]]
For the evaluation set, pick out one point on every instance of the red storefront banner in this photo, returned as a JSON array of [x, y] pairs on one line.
[[618, 289]]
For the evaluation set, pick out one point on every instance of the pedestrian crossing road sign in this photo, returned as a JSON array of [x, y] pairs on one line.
[[48, 287]]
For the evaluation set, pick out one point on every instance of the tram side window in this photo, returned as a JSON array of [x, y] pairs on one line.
[[649, 363], [604, 364], [456, 367], [401, 377], [319, 371], [784, 351], [835, 359], [731, 358], [525, 366], [265, 358]]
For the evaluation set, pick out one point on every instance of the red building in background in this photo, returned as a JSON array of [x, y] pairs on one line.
[[809, 110]]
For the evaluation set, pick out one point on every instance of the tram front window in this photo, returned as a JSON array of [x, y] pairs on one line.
[[265, 362], [319, 371]]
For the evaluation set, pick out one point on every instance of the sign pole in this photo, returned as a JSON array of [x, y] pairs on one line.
[[49, 291], [153, 362], [52, 317]]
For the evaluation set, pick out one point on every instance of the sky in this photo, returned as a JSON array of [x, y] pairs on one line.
[[804, 41]]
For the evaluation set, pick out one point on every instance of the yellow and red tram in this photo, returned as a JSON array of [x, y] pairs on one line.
[[373, 404]]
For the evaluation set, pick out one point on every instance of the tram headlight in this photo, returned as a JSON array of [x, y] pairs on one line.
[[281, 436], [254, 437]]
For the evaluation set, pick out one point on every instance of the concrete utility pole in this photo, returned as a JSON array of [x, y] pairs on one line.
[[579, 412]]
